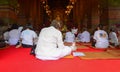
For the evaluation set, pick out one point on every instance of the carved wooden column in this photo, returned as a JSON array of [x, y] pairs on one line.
[[23, 15], [74, 13], [8, 11], [89, 14], [31, 11], [95, 13], [104, 12], [78, 13], [39, 15]]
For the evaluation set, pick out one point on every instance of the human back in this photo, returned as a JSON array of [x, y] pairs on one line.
[[102, 35], [13, 35], [50, 43], [85, 36], [101, 38], [69, 36]]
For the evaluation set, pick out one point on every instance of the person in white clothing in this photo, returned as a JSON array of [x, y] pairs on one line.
[[69, 36], [85, 36], [6, 35], [101, 38], [74, 31], [113, 38], [50, 44], [20, 29], [28, 36], [119, 38], [13, 35]]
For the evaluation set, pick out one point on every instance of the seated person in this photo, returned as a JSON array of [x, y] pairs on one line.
[[113, 39], [79, 36], [74, 31], [92, 39], [119, 38], [69, 36], [6, 35], [28, 36], [50, 44], [85, 36], [101, 37], [2, 42], [13, 35]]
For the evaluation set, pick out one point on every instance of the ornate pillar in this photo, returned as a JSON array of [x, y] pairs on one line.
[[31, 11], [76, 13], [89, 15], [104, 12], [8, 12]]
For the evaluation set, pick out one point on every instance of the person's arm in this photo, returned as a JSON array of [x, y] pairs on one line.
[[95, 36], [60, 40], [20, 41], [65, 37], [35, 38], [116, 38]]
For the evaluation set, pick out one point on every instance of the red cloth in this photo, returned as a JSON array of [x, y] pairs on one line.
[[19, 60]]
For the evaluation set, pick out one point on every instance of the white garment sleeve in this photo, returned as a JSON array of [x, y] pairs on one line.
[[34, 35], [95, 36], [60, 40]]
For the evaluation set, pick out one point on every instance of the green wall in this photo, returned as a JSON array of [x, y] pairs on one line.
[[9, 2], [114, 3], [2, 2], [12, 3]]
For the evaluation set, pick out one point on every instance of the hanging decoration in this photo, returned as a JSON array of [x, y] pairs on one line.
[[46, 7], [69, 7]]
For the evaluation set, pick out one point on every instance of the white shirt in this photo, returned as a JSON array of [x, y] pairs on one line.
[[113, 38], [101, 38], [69, 37], [13, 37], [6, 35], [20, 30], [85, 36], [28, 37], [74, 30], [50, 45]]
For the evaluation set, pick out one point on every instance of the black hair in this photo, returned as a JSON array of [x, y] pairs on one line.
[[112, 30], [100, 26], [84, 29], [68, 28], [28, 25], [14, 26]]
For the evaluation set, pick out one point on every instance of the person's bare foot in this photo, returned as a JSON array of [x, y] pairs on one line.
[[111, 46], [18, 46]]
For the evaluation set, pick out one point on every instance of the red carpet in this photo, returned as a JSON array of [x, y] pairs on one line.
[[19, 60]]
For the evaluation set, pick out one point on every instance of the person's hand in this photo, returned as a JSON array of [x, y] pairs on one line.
[[68, 43], [73, 47]]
